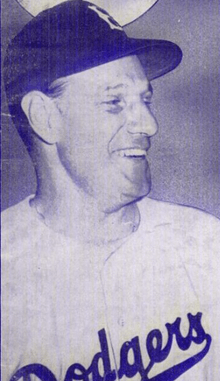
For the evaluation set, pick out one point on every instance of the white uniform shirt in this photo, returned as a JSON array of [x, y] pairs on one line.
[[151, 311]]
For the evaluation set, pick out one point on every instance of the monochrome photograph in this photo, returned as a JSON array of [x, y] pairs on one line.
[[110, 221]]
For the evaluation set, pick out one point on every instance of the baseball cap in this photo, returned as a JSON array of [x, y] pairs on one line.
[[72, 37]]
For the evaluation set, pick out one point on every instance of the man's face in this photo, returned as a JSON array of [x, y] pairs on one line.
[[105, 128]]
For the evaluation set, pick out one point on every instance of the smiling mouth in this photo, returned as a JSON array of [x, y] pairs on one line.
[[132, 153]]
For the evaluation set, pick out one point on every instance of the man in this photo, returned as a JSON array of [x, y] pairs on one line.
[[100, 282]]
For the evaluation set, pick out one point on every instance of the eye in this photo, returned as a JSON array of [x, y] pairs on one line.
[[113, 105], [113, 102]]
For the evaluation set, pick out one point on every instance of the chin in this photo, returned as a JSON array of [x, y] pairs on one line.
[[137, 185], [125, 199], [135, 195], [126, 193]]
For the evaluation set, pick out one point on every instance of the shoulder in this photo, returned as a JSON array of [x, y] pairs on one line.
[[176, 213], [186, 240], [16, 214], [16, 223], [19, 235], [183, 221]]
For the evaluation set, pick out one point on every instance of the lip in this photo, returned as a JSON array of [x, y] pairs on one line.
[[132, 153]]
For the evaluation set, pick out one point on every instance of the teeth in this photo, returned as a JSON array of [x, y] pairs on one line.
[[131, 152]]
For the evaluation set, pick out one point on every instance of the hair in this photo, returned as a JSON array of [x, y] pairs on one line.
[[57, 88]]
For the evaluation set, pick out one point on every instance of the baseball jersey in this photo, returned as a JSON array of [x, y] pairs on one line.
[[145, 309]]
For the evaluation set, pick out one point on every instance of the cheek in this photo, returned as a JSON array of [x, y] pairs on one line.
[[110, 131], [77, 130], [87, 134]]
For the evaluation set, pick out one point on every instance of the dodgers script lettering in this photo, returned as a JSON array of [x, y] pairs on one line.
[[154, 349]]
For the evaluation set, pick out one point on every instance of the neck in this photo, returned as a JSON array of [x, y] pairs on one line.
[[68, 210]]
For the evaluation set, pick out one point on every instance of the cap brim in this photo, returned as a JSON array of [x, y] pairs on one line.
[[157, 57]]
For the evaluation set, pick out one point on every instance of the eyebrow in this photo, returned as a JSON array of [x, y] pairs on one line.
[[119, 86], [122, 85]]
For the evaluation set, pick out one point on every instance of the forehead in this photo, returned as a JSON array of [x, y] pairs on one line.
[[124, 73]]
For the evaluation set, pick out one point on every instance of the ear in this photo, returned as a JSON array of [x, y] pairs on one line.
[[42, 115]]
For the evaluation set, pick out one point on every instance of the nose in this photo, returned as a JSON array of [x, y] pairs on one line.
[[141, 120]]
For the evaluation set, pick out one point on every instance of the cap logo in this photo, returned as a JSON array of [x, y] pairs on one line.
[[106, 17]]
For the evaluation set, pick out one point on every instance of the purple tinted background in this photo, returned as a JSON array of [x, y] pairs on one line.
[[185, 154]]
